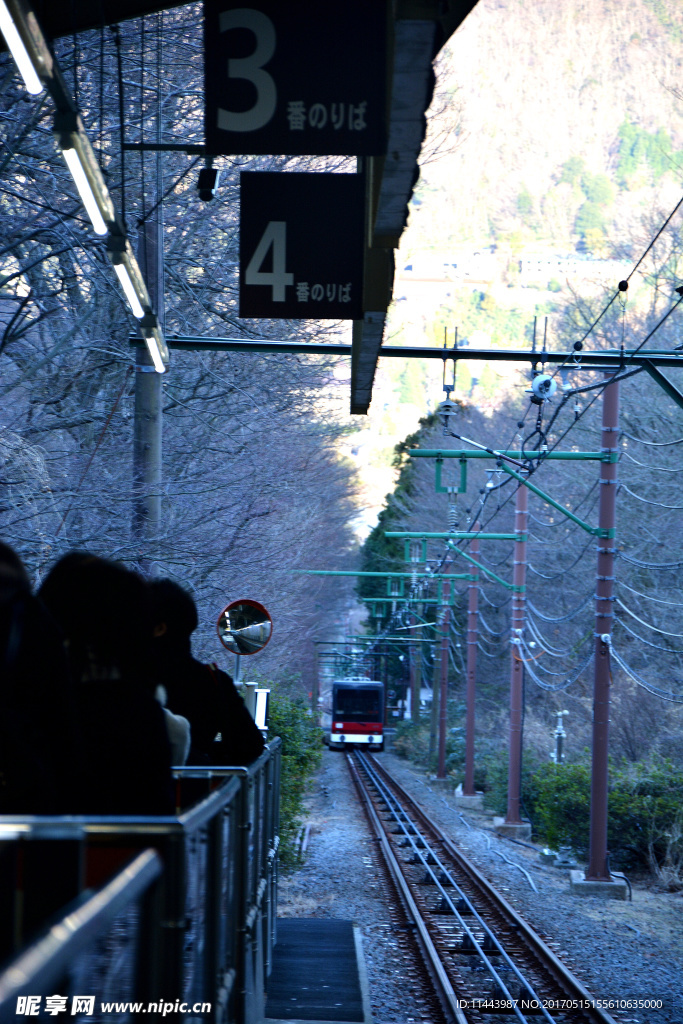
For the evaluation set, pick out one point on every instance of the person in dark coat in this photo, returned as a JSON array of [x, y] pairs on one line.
[[104, 611], [203, 694], [39, 735]]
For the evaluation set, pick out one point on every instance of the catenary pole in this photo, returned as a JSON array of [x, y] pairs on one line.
[[315, 688], [513, 816], [415, 669], [598, 869], [147, 453], [436, 677], [147, 413], [472, 639], [443, 689]]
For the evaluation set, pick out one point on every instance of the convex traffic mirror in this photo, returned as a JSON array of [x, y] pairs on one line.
[[244, 627]]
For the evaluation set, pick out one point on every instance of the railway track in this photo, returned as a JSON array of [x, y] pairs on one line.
[[484, 961]]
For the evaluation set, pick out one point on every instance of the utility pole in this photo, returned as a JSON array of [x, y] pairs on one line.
[[472, 638], [414, 648], [436, 682], [147, 466], [443, 697], [604, 597], [147, 416], [415, 669], [513, 816], [315, 688]]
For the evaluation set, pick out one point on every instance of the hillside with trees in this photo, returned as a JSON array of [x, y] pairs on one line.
[[557, 131]]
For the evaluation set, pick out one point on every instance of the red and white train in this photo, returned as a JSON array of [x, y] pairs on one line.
[[357, 714]]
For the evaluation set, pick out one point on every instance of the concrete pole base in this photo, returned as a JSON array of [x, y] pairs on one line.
[[513, 830], [444, 784], [616, 889], [469, 802]]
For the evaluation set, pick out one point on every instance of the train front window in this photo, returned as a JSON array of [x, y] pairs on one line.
[[358, 705]]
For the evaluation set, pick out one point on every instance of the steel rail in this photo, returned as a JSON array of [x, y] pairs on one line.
[[445, 991], [440, 877], [571, 986]]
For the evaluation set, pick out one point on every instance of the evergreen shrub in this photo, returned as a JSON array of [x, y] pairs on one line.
[[644, 811], [302, 750]]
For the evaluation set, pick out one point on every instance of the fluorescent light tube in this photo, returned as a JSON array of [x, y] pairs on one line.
[[131, 294], [86, 193], [19, 52], [153, 349]]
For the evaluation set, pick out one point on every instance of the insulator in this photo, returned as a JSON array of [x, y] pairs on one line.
[[452, 517]]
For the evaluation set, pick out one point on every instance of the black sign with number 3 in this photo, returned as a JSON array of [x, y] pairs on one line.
[[301, 245], [298, 77]]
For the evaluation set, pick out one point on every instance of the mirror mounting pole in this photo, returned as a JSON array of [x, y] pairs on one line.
[[236, 677]]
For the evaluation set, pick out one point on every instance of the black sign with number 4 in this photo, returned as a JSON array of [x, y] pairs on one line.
[[297, 77], [301, 245]]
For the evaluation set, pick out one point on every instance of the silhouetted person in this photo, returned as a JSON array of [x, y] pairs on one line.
[[39, 736], [202, 693], [104, 611]]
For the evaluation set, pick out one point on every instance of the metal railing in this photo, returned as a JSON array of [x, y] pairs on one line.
[[189, 919]]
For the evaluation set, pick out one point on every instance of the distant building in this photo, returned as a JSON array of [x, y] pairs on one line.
[[539, 268]]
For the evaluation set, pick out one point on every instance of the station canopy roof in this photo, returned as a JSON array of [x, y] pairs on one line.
[[420, 29]]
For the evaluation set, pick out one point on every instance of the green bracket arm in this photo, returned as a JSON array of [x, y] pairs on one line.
[[455, 535], [595, 531], [440, 489], [451, 453], [487, 572], [383, 575], [664, 383]]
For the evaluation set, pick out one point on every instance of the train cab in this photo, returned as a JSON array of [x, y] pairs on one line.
[[357, 714]]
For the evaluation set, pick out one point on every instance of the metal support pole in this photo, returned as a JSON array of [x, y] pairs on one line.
[[147, 417], [443, 696], [315, 688], [434, 713], [513, 816], [472, 638], [414, 652], [597, 862]]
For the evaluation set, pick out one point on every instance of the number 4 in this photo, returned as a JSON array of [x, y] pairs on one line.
[[278, 278]]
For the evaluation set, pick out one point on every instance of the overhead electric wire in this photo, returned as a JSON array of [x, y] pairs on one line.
[[617, 294], [560, 618], [545, 646], [648, 625], [648, 501], [493, 632], [554, 652], [648, 597], [644, 465], [534, 656], [676, 698], [486, 653], [530, 666], [650, 565], [653, 444], [496, 607], [557, 576], [642, 640]]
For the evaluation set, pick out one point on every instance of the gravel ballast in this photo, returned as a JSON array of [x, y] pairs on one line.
[[618, 949]]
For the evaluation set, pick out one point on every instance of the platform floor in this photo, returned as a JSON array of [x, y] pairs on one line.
[[318, 974]]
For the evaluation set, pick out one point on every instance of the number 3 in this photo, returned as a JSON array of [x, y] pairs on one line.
[[278, 279], [251, 69]]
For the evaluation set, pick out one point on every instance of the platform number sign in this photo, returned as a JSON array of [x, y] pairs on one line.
[[301, 77], [301, 245]]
